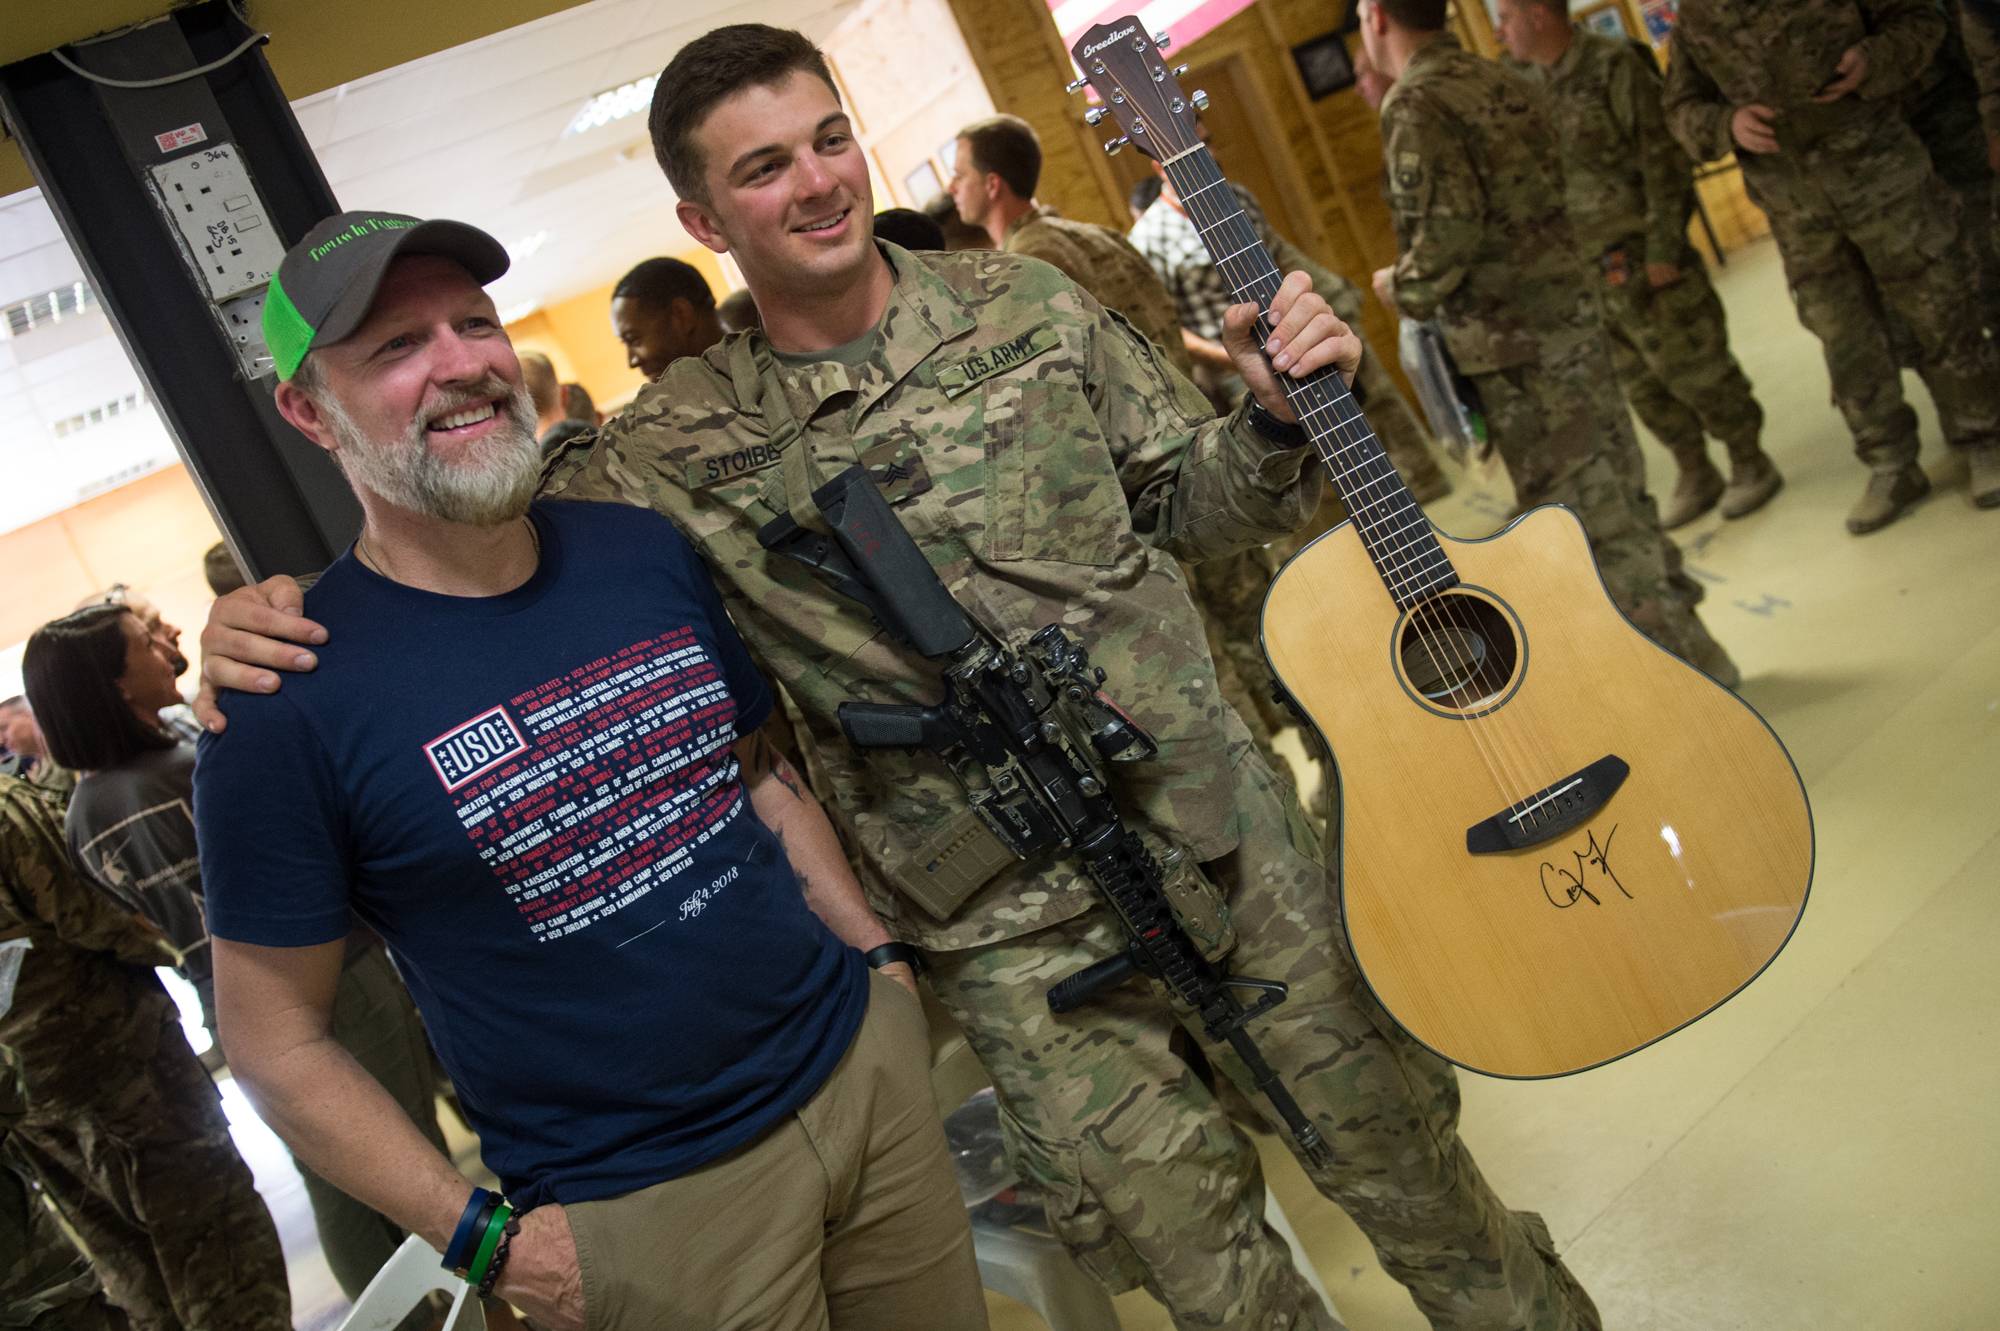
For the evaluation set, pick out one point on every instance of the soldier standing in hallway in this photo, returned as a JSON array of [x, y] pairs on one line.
[[1807, 92], [123, 1128], [1475, 184], [1629, 191]]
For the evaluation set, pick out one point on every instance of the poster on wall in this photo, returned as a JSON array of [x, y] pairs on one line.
[[1324, 65], [1659, 16], [1606, 19], [922, 184]]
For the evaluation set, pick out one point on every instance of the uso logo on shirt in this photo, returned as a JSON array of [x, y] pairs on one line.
[[485, 741]]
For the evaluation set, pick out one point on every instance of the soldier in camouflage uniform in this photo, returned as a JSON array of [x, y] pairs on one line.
[[1809, 92], [1979, 21], [1487, 250], [1054, 470], [1629, 191], [124, 1129], [45, 1283], [1943, 109]]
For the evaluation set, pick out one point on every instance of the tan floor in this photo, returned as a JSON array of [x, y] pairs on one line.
[[1824, 1152]]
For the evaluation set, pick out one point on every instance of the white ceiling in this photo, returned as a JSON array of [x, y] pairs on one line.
[[474, 133]]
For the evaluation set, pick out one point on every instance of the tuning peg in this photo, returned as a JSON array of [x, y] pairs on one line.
[[1076, 86], [1111, 148], [1162, 40], [1094, 114], [1200, 99], [1179, 70]]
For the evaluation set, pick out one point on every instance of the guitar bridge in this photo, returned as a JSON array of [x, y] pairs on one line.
[[1551, 811]]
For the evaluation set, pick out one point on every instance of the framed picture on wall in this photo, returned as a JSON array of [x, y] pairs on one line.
[[1659, 16], [922, 184], [1606, 18], [1324, 65]]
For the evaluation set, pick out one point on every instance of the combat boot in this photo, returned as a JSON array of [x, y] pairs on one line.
[[1753, 479], [1888, 494], [1984, 459], [1696, 492]]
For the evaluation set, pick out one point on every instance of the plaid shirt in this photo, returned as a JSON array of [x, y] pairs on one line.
[[1173, 246]]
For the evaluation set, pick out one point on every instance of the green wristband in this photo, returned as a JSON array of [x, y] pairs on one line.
[[484, 1255]]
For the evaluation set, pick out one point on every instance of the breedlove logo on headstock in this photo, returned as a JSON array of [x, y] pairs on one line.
[[1122, 64]]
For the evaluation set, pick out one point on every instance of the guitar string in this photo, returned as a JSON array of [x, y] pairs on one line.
[[1435, 604], [1432, 605], [1400, 575]]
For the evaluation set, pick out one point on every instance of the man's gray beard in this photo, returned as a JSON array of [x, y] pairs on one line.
[[494, 486]]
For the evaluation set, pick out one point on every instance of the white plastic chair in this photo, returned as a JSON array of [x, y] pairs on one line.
[[415, 1271]]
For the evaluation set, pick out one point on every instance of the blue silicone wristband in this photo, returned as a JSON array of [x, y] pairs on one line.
[[469, 1231]]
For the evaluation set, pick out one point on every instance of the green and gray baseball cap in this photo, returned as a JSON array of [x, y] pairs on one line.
[[323, 289]]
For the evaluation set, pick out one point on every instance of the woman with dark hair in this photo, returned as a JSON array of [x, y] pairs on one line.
[[97, 680]]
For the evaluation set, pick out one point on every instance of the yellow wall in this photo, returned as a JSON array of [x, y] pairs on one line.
[[150, 534], [576, 334]]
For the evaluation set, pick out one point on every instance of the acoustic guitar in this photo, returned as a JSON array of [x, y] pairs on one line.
[[1558, 842]]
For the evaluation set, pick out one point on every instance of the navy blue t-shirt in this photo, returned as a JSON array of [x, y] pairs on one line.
[[532, 798]]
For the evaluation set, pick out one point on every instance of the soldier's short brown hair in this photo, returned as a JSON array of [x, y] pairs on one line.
[[1560, 8], [538, 372], [1006, 146], [1416, 15], [708, 71]]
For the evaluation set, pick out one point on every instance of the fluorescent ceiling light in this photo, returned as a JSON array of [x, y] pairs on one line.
[[626, 100], [526, 246]]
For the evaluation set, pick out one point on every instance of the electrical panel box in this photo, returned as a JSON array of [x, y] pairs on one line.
[[223, 223]]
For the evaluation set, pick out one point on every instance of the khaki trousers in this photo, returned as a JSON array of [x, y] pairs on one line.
[[844, 1217]]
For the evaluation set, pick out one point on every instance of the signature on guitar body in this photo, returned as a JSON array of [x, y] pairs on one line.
[[1565, 887]]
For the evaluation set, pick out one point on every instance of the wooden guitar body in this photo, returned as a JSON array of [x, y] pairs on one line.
[[1559, 842]]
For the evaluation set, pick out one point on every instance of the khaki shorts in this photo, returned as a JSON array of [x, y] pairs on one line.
[[846, 1216]]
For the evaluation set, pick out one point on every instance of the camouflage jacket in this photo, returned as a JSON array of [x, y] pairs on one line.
[[1475, 184], [1103, 263], [88, 972], [1625, 180], [1729, 54], [1980, 24], [1051, 467]]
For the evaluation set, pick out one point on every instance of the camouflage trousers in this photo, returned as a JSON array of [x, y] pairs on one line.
[[141, 1165], [377, 1024], [1563, 433], [1670, 348], [1151, 1185], [1949, 127], [1881, 237], [45, 1283]]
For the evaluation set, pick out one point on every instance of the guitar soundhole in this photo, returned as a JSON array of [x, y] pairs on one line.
[[1458, 651]]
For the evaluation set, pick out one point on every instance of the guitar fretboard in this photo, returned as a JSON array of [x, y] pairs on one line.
[[1393, 528]]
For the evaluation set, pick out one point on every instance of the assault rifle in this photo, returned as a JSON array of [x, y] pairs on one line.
[[1030, 736]]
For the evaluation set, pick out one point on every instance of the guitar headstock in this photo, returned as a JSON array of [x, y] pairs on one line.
[[1126, 66]]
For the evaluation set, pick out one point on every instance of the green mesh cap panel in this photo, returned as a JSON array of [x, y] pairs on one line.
[[286, 331]]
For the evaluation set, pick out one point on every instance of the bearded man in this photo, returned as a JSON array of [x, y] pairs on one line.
[[633, 937]]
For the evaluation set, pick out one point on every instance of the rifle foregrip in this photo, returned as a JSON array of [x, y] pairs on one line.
[[881, 725], [1071, 993]]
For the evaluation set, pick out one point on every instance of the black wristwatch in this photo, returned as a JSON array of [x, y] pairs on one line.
[[1285, 434], [890, 953]]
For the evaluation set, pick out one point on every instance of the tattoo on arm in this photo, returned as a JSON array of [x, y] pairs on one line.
[[787, 774]]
